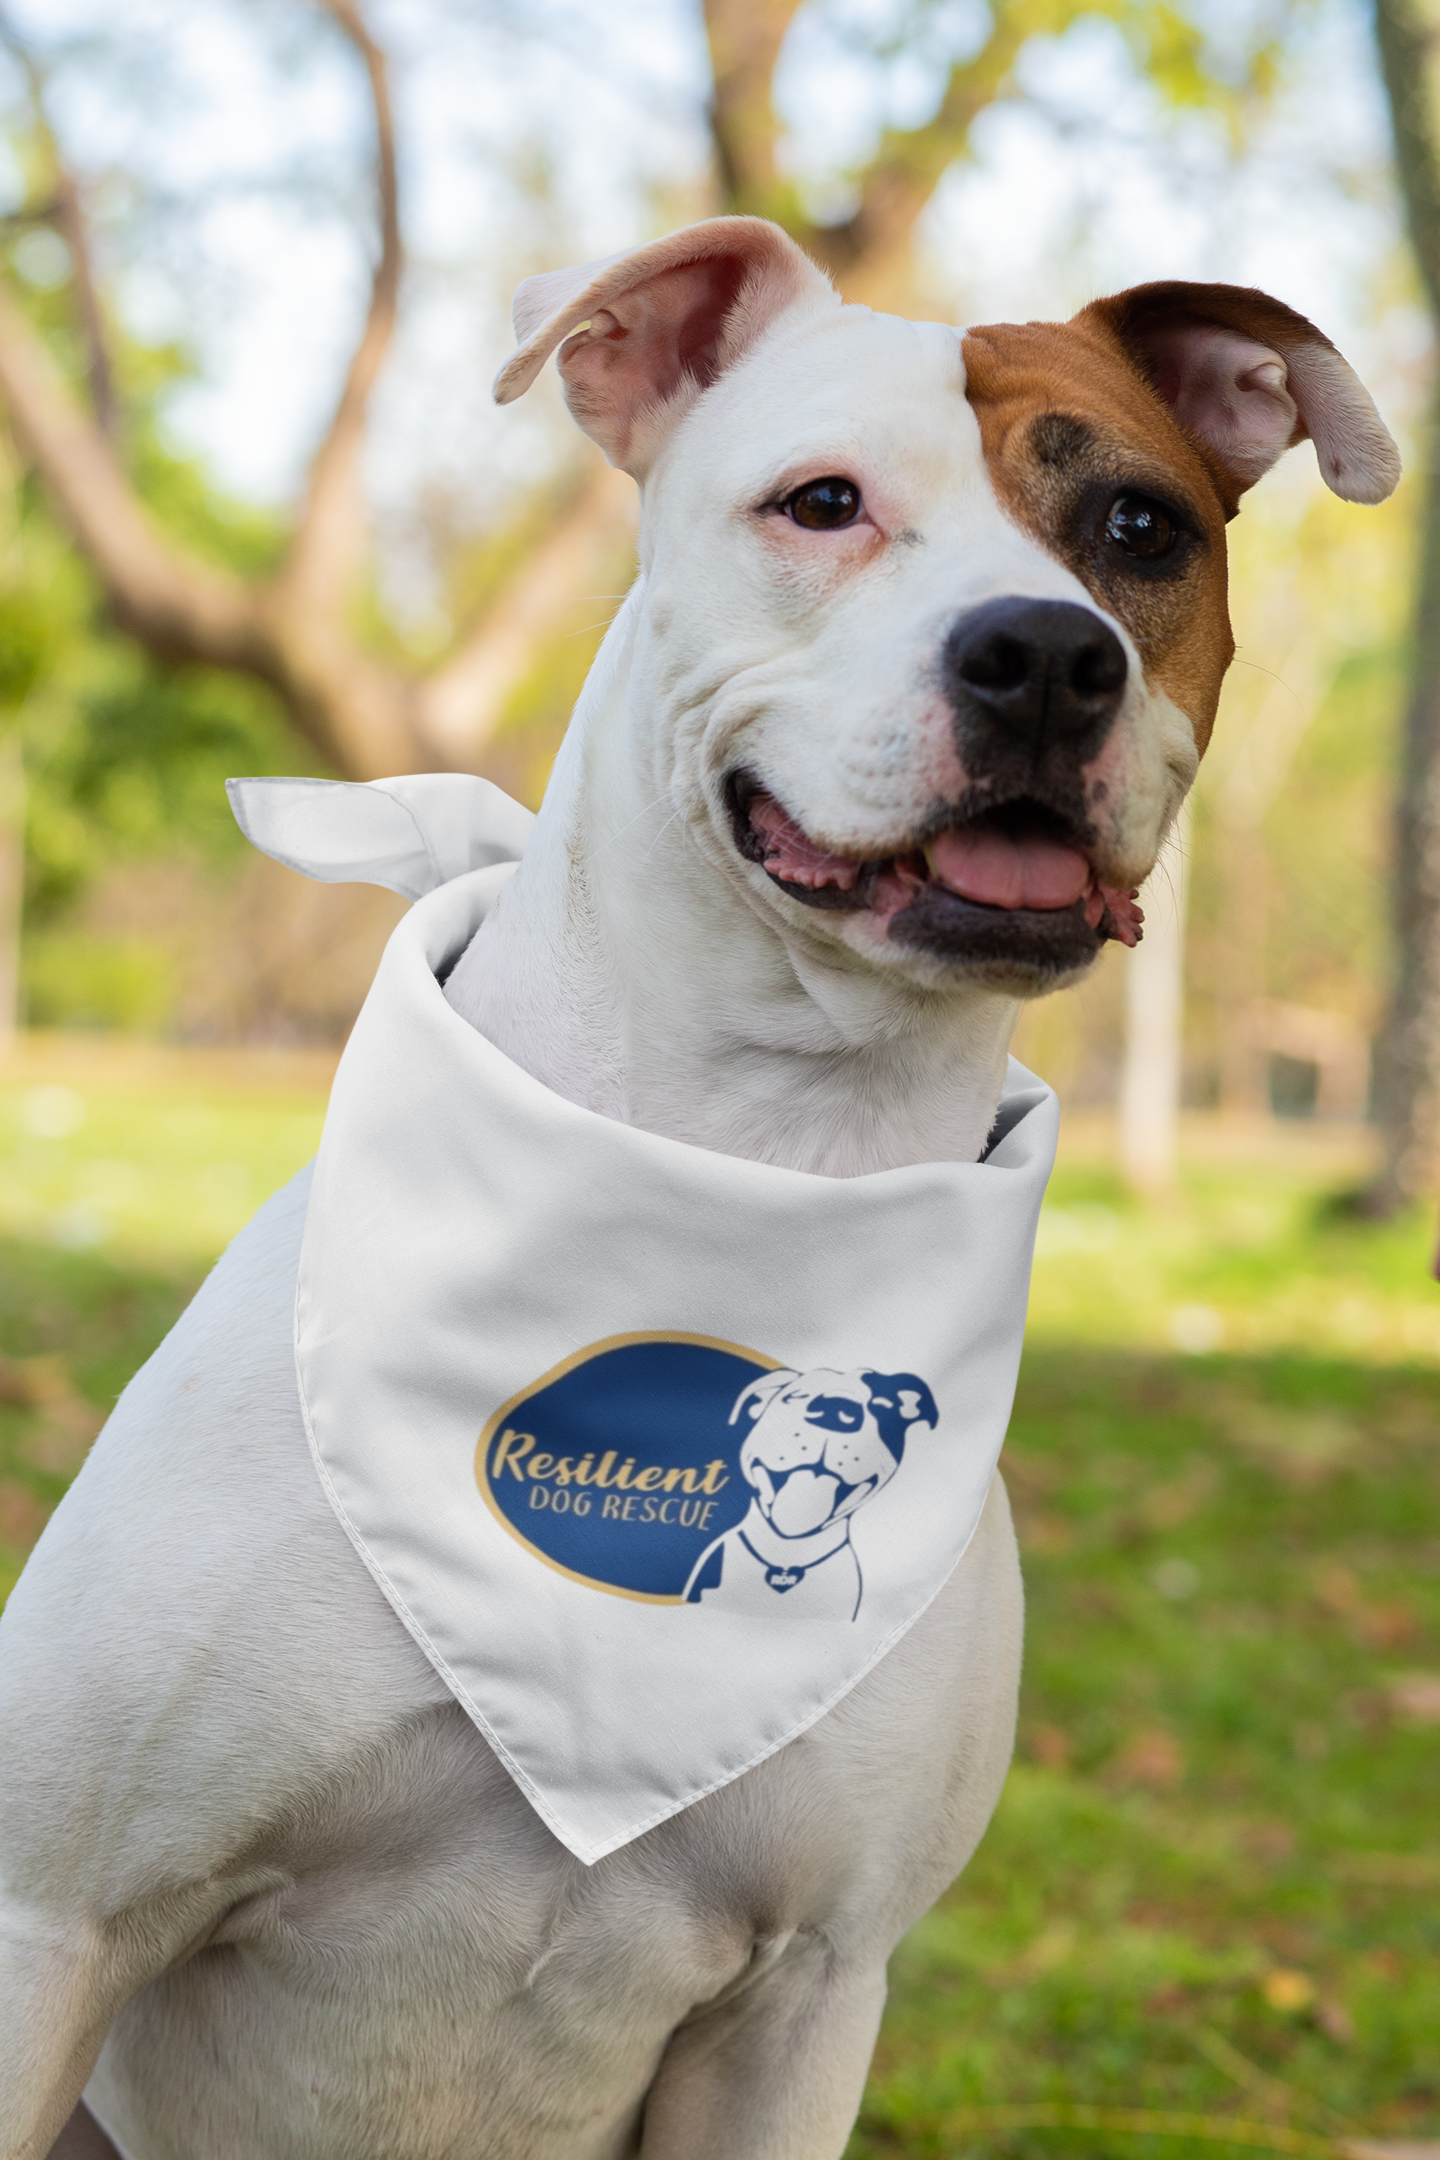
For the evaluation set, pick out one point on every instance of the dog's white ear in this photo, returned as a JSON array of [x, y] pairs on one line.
[[758, 1396], [646, 330], [1249, 377]]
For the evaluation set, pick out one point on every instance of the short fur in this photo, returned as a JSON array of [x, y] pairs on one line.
[[262, 1884]]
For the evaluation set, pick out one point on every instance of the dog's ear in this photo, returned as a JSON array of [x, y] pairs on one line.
[[899, 1400], [757, 1397], [645, 331], [1249, 377]]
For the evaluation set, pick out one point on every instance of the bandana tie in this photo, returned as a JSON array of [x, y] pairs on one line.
[[654, 1451]]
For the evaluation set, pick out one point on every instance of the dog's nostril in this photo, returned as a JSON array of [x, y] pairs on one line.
[[1098, 669], [996, 663]]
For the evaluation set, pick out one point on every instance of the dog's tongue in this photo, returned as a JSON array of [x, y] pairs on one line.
[[1000, 872]]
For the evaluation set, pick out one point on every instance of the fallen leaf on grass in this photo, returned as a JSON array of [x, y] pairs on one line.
[[1338, 1589], [1025, 1474], [1151, 1758], [22, 1517], [1050, 1746], [1050, 1948], [1043, 1533], [1386, 1626], [1416, 1695], [1171, 1996], [1391, 2148], [1335, 2021], [69, 1424], [1287, 1990], [1269, 1841]]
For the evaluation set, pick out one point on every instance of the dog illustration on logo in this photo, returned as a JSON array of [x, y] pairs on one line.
[[819, 1445]]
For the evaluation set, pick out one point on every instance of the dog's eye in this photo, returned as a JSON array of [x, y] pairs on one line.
[[1142, 527], [823, 505]]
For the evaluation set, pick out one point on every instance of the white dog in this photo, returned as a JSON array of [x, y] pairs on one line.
[[820, 1445], [925, 645]]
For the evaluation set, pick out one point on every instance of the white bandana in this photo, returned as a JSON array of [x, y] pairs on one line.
[[654, 1451]]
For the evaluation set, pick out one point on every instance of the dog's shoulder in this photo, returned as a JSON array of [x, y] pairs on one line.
[[194, 1600]]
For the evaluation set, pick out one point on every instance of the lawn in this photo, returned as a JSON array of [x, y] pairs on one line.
[[1213, 1885]]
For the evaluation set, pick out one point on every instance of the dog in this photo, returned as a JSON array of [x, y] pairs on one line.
[[924, 647], [820, 1445]]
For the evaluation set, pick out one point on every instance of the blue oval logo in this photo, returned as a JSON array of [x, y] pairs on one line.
[[678, 1469], [619, 1467]]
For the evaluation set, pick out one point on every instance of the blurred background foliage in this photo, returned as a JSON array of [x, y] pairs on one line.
[[857, 126]]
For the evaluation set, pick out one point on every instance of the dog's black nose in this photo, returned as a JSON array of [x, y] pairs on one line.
[[1039, 671]]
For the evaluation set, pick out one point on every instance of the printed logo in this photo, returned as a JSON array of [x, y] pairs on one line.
[[679, 1470]]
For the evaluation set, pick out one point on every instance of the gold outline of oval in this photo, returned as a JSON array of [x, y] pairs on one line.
[[558, 1372]]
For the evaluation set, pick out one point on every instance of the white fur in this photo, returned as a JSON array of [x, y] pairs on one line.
[[246, 1830], [239, 1801], [636, 962]]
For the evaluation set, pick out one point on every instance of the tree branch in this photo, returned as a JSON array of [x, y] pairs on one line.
[[462, 703], [1407, 52], [909, 164], [70, 218], [745, 40], [177, 607], [329, 537], [359, 714], [67, 214]]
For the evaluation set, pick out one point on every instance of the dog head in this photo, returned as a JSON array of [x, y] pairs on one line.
[[932, 625], [820, 1444]]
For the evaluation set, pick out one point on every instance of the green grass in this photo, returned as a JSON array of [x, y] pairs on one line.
[[1213, 1884], [123, 1174]]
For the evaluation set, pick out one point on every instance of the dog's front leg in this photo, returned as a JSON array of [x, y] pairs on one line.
[[774, 2073], [61, 1988]]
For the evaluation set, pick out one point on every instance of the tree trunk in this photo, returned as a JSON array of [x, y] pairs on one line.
[[1244, 1068], [1407, 1055], [12, 881]]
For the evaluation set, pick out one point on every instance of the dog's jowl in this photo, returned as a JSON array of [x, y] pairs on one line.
[[545, 1622]]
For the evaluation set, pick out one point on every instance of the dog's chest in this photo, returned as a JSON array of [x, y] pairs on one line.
[[435, 1958], [425, 1967]]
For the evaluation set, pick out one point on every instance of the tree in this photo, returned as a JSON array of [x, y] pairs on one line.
[[289, 629], [292, 627], [1408, 1050]]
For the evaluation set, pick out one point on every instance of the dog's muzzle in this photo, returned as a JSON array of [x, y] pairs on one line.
[[1005, 882]]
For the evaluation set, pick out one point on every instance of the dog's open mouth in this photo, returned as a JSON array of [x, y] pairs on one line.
[[1013, 885]]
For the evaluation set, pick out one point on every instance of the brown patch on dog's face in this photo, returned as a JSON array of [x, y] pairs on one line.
[[1085, 457]]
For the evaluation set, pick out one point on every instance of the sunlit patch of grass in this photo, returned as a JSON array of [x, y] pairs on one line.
[[124, 1171], [149, 1154], [1251, 1253]]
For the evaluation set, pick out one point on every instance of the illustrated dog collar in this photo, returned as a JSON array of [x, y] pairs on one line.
[[654, 1451]]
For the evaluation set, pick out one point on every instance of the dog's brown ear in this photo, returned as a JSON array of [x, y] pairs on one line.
[[645, 328], [1249, 377]]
